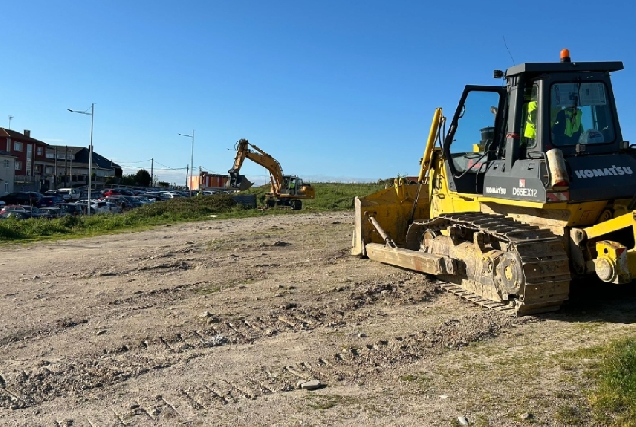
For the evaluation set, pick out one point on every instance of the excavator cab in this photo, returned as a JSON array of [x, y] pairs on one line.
[[530, 188]]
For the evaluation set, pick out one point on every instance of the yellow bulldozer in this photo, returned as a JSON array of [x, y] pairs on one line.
[[530, 189]]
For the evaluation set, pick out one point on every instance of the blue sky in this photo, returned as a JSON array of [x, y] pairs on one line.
[[335, 90]]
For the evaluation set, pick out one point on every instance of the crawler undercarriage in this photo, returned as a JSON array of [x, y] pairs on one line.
[[496, 259]]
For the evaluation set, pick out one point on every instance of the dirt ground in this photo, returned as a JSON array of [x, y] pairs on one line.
[[218, 322]]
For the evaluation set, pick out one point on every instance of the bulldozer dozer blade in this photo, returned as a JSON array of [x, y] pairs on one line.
[[393, 209], [412, 260]]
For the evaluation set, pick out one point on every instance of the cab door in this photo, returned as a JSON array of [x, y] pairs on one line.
[[474, 137]]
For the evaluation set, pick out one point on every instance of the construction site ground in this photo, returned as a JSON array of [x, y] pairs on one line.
[[219, 322]]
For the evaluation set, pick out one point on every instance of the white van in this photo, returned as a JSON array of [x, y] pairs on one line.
[[70, 194]]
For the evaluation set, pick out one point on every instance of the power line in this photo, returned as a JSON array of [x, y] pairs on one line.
[[123, 163], [168, 167]]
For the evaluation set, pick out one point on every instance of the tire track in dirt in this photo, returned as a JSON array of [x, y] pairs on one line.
[[119, 364], [348, 365], [43, 383]]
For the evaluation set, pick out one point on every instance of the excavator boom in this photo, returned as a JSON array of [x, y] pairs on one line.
[[246, 150]]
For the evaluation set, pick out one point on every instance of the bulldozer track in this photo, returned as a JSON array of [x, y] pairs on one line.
[[476, 299], [545, 263]]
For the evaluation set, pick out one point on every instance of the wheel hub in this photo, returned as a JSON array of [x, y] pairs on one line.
[[509, 275]]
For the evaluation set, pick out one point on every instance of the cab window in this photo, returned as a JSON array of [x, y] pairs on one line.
[[580, 114]]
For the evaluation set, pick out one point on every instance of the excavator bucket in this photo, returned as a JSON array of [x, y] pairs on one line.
[[238, 182], [384, 217], [245, 184]]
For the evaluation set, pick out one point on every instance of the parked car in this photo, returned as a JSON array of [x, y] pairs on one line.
[[70, 194], [49, 201], [54, 211], [121, 201], [170, 195], [36, 212], [111, 192], [24, 212], [12, 208], [143, 199], [134, 202], [30, 198], [99, 206], [117, 192], [14, 214], [69, 209], [155, 195]]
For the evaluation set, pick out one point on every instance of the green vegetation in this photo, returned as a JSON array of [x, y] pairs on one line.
[[614, 400], [329, 197], [609, 376], [167, 212], [141, 178], [326, 401], [422, 380]]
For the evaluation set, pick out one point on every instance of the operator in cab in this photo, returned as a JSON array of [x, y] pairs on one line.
[[567, 127]]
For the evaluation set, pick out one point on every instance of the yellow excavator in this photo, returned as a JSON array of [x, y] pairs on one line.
[[531, 189], [286, 190]]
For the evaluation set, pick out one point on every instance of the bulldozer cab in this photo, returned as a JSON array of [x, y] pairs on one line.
[[500, 136]]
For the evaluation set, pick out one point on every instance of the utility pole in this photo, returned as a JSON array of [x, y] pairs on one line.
[[152, 176], [66, 166], [187, 169], [55, 166]]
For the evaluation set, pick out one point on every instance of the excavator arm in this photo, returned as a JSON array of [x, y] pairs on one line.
[[250, 151]]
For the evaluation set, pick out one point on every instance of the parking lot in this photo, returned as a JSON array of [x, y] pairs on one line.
[[57, 203]]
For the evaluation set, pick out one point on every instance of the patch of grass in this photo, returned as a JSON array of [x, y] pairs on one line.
[[166, 212], [208, 290], [590, 327], [323, 401], [569, 415], [422, 380], [217, 244], [480, 420], [614, 400]]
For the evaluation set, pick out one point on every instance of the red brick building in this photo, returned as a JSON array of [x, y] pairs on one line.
[[30, 158], [40, 166], [208, 181]]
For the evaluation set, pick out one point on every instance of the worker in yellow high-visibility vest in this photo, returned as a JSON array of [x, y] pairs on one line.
[[567, 127], [530, 130]]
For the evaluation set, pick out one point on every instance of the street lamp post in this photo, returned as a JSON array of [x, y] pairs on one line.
[[191, 158], [90, 155]]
